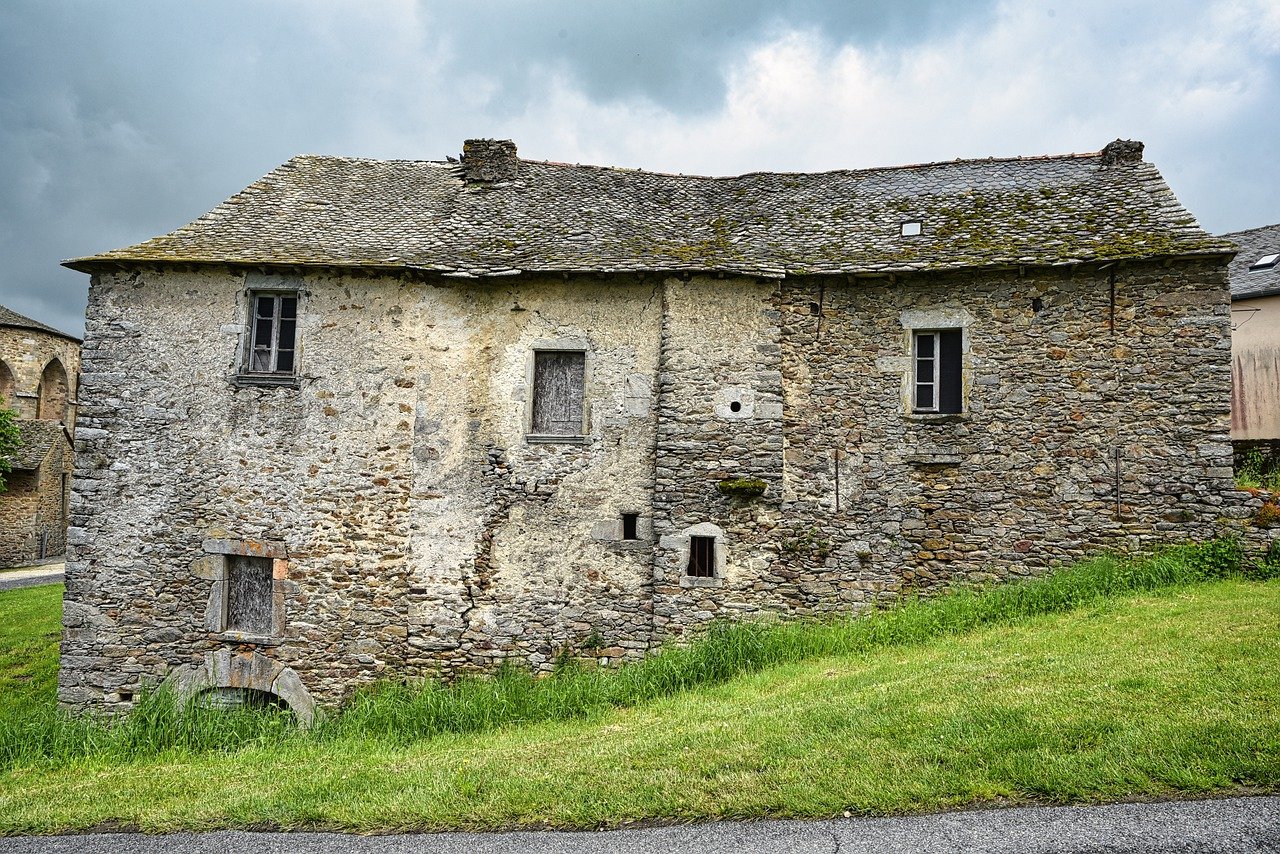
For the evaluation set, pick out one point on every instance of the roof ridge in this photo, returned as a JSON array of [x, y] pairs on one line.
[[1232, 234]]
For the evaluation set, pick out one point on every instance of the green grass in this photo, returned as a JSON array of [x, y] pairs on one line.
[[1059, 690], [30, 621], [1256, 473]]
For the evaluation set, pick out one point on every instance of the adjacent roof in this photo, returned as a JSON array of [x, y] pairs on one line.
[[1254, 244], [37, 438], [9, 317], [423, 215]]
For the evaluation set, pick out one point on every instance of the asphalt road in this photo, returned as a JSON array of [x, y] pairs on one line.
[[1227, 826]]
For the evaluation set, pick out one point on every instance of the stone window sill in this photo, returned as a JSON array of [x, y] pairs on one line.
[[933, 459], [700, 581], [937, 417], [245, 637], [553, 439], [265, 381]]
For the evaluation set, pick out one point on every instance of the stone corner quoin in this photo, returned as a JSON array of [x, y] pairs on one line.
[[295, 478]]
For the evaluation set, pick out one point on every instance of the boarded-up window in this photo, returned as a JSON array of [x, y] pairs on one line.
[[273, 334], [249, 594], [558, 377], [939, 361], [702, 557]]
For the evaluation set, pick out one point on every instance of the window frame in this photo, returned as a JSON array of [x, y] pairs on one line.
[[272, 376], [534, 436], [215, 566], [938, 336]]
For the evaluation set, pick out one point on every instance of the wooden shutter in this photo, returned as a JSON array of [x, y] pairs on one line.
[[950, 371], [249, 595], [558, 377]]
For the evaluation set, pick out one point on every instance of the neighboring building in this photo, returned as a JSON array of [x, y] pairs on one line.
[[379, 418], [1255, 339], [38, 369]]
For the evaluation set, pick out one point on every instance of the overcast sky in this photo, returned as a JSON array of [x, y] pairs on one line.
[[123, 120]]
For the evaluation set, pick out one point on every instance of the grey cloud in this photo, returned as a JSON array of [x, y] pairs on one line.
[[670, 52]]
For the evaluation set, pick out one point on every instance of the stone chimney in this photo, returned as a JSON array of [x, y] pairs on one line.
[[1122, 152], [487, 161]]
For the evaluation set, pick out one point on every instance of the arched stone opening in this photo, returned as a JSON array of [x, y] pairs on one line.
[[55, 393], [245, 676], [240, 698], [7, 387]]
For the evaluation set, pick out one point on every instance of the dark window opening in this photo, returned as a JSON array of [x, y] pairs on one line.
[[702, 557], [736, 406], [225, 699], [1037, 305], [273, 334], [126, 696], [630, 526], [939, 363], [249, 594], [558, 378]]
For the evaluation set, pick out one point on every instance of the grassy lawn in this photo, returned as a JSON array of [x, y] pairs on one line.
[[1164, 694], [30, 621]]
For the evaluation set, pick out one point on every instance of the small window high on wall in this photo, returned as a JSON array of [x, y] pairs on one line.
[[938, 360], [273, 334], [558, 380]]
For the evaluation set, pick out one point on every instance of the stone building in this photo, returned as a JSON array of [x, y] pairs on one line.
[[1255, 340], [38, 369], [378, 418]]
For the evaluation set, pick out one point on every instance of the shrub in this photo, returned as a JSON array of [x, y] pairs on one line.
[[1268, 515]]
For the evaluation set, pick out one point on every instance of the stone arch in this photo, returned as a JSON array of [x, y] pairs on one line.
[[55, 392], [252, 671], [7, 387]]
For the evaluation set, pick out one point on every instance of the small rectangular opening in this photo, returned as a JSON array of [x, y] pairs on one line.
[[249, 595], [702, 557], [630, 526]]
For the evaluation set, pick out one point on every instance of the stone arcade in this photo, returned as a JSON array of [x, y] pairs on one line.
[[370, 419]]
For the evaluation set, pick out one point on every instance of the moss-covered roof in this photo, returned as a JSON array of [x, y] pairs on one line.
[[37, 438], [398, 214]]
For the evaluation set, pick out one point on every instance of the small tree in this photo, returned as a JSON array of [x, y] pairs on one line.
[[10, 441]]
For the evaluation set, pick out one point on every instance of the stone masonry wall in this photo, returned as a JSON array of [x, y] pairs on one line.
[[1057, 389], [26, 353], [414, 528], [33, 520]]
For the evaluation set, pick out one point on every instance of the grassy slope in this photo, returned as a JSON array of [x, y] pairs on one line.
[[30, 621], [1165, 694]]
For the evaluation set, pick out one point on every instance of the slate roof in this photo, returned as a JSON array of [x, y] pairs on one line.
[[423, 215], [9, 317], [1254, 244], [37, 438]]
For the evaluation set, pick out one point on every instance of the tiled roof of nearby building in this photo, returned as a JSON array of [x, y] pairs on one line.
[[37, 438], [9, 317], [1255, 245], [398, 214]]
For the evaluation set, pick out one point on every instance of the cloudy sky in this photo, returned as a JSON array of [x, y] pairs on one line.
[[123, 120]]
